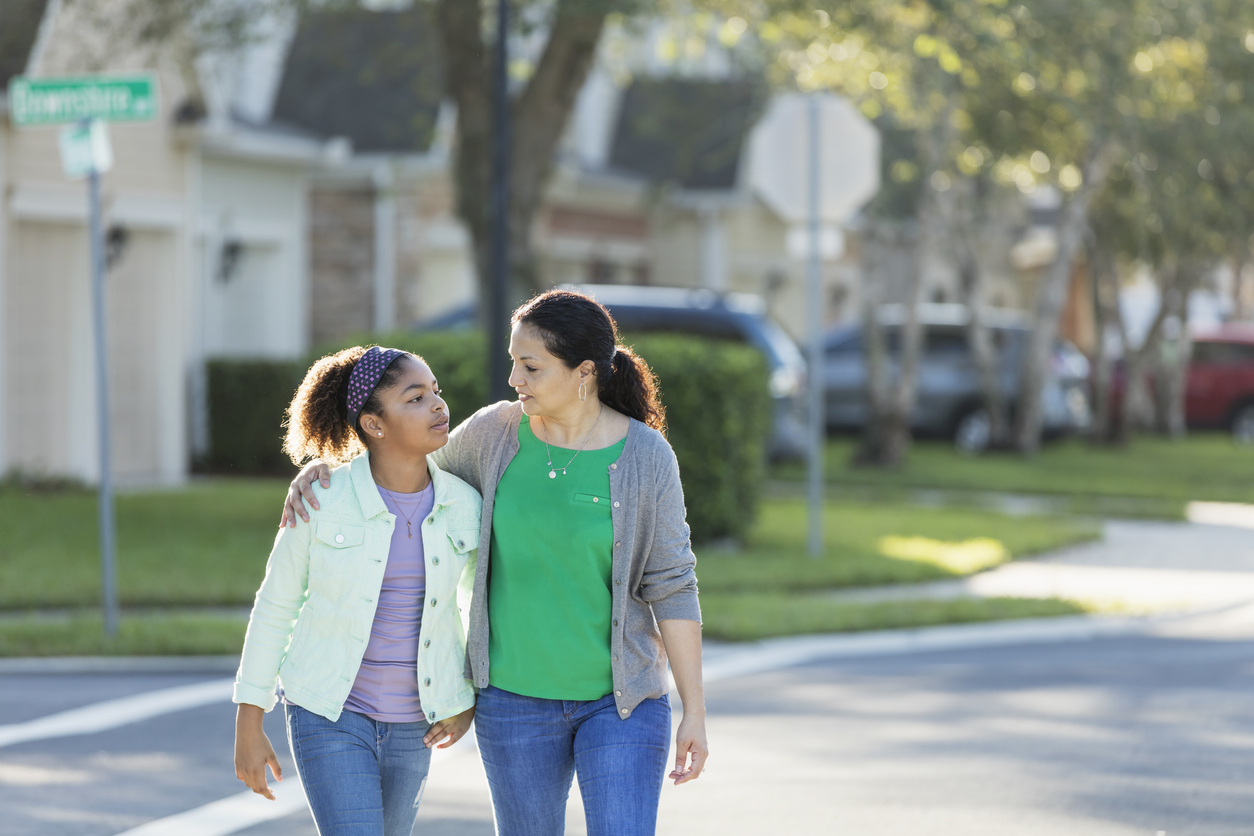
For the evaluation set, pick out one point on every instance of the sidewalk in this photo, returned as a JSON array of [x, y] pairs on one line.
[[1138, 567]]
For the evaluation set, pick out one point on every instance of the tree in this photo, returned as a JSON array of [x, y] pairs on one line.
[[561, 38]]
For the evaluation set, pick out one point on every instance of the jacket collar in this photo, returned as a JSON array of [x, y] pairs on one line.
[[372, 505]]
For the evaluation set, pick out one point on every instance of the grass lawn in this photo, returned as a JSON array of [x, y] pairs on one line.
[[869, 544], [169, 635], [750, 616], [1208, 466], [206, 544]]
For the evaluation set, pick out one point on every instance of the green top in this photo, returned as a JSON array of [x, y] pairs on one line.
[[549, 591]]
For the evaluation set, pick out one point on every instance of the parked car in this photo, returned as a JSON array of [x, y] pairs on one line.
[[948, 401], [1219, 390], [701, 312]]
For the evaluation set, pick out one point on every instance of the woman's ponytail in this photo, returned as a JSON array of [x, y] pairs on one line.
[[632, 389], [576, 328]]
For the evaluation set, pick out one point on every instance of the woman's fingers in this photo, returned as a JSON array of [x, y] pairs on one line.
[[256, 781], [690, 760]]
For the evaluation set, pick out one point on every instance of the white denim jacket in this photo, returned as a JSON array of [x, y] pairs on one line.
[[314, 611]]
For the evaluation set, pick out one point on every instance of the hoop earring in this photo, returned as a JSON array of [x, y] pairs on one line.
[[583, 391]]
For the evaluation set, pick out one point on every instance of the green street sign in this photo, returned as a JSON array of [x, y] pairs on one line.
[[54, 101]]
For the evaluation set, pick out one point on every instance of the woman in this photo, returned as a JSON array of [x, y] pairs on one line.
[[359, 613], [592, 586]]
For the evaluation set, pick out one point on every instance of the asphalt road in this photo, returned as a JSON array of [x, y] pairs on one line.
[[1127, 735]]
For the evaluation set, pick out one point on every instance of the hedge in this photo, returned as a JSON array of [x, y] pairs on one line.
[[247, 401], [715, 392]]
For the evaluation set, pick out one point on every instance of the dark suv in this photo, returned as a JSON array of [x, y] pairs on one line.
[[948, 401], [701, 312]]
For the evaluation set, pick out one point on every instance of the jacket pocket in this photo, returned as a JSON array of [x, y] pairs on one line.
[[332, 553], [593, 499]]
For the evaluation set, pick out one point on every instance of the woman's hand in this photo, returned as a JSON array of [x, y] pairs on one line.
[[454, 728], [301, 491], [253, 751], [691, 750]]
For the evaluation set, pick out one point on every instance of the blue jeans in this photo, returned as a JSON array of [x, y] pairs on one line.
[[532, 747], [362, 777]]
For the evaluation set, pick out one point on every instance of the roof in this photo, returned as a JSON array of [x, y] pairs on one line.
[[19, 26], [374, 77], [686, 131]]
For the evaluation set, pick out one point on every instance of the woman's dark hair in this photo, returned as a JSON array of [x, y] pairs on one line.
[[576, 327], [317, 418]]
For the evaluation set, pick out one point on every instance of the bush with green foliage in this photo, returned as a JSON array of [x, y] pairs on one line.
[[717, 402], [247, 403]]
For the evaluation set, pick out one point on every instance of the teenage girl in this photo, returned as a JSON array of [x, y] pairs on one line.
[[361, 618]]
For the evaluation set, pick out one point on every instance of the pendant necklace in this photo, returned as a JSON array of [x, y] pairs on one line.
[[553, 470], [409, 527]]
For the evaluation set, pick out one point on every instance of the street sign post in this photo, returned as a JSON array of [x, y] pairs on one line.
[[87, 104], [842, 173], [56, 101]]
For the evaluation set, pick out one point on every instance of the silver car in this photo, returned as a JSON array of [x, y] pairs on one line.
[[948, 403]]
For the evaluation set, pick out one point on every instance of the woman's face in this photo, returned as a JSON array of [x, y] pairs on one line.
[[415, 417], [545, 385]]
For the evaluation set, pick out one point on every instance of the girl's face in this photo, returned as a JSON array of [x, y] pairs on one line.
[[545, 385], [415, 417]]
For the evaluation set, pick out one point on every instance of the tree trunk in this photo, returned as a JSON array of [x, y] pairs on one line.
[[539, 116], [1072, 221], [959, 217], [1108, 316], [1137, 411], [890, 397]]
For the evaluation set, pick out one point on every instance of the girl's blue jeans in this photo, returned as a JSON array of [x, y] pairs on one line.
[[532, 748], [362, 777]]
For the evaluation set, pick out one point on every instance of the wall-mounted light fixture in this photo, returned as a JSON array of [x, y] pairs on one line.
[[116, 240], [229, 258]]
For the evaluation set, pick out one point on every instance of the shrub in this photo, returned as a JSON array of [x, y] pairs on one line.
[[718, 411], [718, 415], [247, 401]]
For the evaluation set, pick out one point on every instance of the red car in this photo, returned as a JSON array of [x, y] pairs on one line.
[[1220, 388]]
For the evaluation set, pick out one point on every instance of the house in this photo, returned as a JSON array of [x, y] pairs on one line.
[[205, 211]]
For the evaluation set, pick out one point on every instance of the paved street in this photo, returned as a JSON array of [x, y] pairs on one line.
[[1129, 734], [1073, 726]]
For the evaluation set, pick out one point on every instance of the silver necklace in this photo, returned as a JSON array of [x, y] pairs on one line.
[[552, 469]]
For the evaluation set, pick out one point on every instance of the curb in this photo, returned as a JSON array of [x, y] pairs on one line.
[[119, 664], [725, 661]]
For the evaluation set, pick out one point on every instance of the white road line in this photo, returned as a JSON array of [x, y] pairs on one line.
[[111, 714], [231, 814]]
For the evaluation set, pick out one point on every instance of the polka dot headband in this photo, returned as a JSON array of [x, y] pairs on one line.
[[366, 376]]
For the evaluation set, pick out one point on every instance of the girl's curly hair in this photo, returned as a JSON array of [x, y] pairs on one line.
[[317, 418]]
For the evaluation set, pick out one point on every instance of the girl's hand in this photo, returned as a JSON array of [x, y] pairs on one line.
[[691, 749], [253, 751], [301, 491], [454, 728]]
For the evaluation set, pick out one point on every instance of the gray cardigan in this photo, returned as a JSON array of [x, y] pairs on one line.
[[653, 564]]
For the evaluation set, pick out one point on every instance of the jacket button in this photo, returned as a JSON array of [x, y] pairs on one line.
[[614, 466], [615, 504], [619, 544], [625, 712], [427, 681], [430, 520], [435, 561], [339, 538], [432, 716], [617, 582], [616, 622], [433, 602], [461, 544], [618, 693], [427, 643]]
